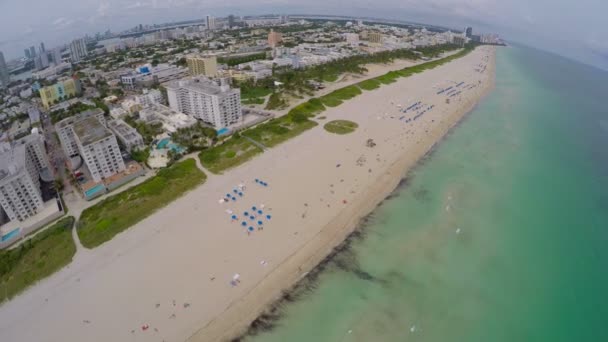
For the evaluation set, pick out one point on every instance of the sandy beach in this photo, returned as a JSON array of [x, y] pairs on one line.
[[169, 277]]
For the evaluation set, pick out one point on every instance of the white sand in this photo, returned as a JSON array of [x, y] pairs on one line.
[[174, 254]]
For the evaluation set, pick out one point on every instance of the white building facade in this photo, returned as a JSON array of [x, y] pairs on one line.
[[65, 130], [21, 165], [213, 102], [98, 148]]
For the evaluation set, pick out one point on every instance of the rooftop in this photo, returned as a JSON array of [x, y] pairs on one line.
[[90, 130], [12, 156], [202, 85], [80, 116], [123, 129]]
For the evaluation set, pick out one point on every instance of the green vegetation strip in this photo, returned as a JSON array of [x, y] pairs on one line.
[[336, 97], [340, 126], [37, 258], [101, 222], [233, 153], [370, 84]]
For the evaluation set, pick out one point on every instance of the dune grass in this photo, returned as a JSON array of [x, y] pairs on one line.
[[101, 222], [336, 97], [281, 129], [341, 126], [370, 84], [37, 258], [234, 151]]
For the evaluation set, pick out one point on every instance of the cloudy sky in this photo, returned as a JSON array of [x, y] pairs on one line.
[[576, 29]]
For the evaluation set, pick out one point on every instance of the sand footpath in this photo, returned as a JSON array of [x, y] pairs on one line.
[[169, 277]]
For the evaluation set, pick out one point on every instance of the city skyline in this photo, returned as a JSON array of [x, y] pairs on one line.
[[540, 24]]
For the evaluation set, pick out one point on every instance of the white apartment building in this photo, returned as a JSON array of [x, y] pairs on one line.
[[128, 135], [66, 133], [22, 164], [213, 102], [149, 97], [98, 148]]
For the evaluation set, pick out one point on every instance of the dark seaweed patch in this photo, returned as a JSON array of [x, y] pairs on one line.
[[269, 319]]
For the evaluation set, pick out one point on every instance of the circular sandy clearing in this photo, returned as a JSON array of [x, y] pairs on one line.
[[340, 126]]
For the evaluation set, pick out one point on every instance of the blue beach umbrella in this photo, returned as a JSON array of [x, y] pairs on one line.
[[250, 229], [240, 194], [235, 191], [251, 217], [246, 213], [260, 212], [234, 217], [268, 217], [228, 195], [257, 180], [244, 224], [260, 223], [253, 208], [233, 198]]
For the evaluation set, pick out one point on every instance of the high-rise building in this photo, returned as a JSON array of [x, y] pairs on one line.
[[213, 102], [210, 22], [27, 54], [32, 52], [66, 133], [56, 56], [468, 32], [274, 38], [199, 65], [60, 91], [374, 37], [22, 165], [41, 61], [42, 49], [231, 21], [98, 148], [4, 75], [78, 50]]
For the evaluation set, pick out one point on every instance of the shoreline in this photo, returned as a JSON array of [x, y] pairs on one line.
[[172, 270], [305, 265]]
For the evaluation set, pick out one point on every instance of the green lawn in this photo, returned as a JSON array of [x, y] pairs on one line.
[[254, 92], [253, 100], [340, 126], [36, 258], [101, 222], [233, 152]]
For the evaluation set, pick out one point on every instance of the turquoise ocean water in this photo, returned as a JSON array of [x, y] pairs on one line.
[[501, 234]]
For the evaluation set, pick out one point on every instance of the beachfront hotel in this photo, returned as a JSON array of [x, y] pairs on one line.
[[23, 164], [211, 101]]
